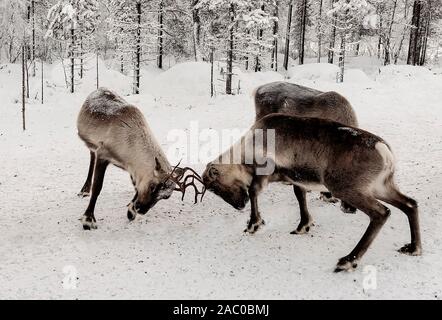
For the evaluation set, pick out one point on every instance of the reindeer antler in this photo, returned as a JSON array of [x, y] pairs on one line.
[[182, 185]]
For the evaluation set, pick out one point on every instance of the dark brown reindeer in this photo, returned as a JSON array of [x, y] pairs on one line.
[[297, 100], [116, 132], [316, 154]]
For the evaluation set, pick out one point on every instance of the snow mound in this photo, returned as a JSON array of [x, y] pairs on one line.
[[396, 72], [10, 82], [251, 80], [314, 71], [149, 75], [436, 71], [356, 76], [114, 80], [184, 79]]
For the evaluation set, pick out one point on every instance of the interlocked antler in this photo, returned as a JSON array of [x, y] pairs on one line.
[[182, 185]]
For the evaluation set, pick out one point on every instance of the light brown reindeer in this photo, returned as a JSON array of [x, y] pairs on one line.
[[116, 132], [316, 154], [296, 100]]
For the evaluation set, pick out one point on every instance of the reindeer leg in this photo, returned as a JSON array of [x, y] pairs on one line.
[[255, 221], [306, 219], [88, 219], [378, 214], [327, 197], [85, 191], [346, 208], [409, 207]]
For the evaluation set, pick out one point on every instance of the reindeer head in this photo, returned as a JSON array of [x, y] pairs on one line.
[[161, 186], [229, 181]]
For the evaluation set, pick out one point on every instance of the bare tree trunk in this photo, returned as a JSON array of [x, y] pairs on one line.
[[423, 53], [42, 81], [122, 55], [388, 39], [302, 31], [136, 89], [122, 64], [287, 36], [230, 51], [379, 11], [414, 33], [401, 42], [320, 31], [342, 59], [419, 39], [27, 72], [81, 56], [358, 43], [211, 72], [10, 52], [331, 52], [275, 39], [247, 55], [259, 38], [196, 31], [23, 86], [33, 36], [72, 58], [98, 78], [160, 35]]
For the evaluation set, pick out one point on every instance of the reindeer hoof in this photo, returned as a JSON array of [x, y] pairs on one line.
[[253, 227], [411, 249], [327, 197], [346, 264], [303, 228], [346, 208], [88, 223]]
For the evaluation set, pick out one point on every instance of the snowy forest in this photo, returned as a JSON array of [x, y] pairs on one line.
[[250, 35]]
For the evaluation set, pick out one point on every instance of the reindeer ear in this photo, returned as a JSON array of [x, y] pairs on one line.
[[157, 164], [157, 170]]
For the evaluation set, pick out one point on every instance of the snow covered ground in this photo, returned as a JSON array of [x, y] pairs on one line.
[[182, 250]]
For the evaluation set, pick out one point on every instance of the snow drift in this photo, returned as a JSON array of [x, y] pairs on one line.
[[402, 72], [189, 78], [314, 71]]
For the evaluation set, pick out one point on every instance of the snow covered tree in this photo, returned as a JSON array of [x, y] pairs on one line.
[[242, 28], [350, 15], [13, 28], [138, 31], [424, 12], [71, 21], [255, 38]]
